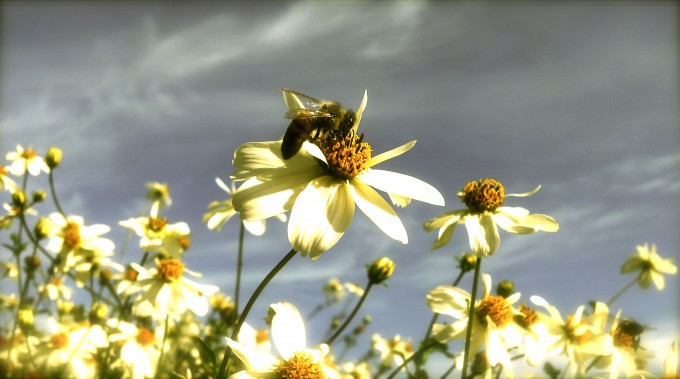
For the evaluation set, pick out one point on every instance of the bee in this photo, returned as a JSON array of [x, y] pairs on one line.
[[310, 118], [633, 329]]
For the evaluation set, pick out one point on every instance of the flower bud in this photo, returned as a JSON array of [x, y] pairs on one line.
[[39, 196], [19, 199], [42, 228], [65, 307], [25, 317], [380, 270], [32, 263], [505, 288], [467, 262], [98, 312], [53, 157]]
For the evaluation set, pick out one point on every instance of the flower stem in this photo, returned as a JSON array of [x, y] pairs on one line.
[[54, 195], [471, 317], [351, 316], [239, 267], [622, 291], [249, 305], [165, 337]]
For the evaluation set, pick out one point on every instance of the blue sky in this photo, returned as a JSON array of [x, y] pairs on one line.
[[581, 98]]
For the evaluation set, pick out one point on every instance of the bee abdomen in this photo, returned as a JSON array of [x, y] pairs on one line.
[[298, 131]]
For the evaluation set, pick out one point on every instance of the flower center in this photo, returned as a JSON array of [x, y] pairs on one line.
[[59, 341], [576, 333], [346, 156], [529, 317], [3, 171], [497, 308], [156, 224], [131, 274], [261, 336], [72, 235], [144, 336], [170, 269], [28, 154], [622, 339], [300, 366], [184, 242], [483, 195]]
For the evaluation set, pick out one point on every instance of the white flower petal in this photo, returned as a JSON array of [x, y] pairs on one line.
[[288, 330], [518, 220], [321, 214], [258, 199], [378, 210], [360, 112], [444, 219], [256, 228], [259, 158], [482, 232], [256, 361], [402, 185], [449, 300], [397, 151], [525, 194]]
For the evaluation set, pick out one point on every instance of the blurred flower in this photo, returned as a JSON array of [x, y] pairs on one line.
[[321, 184], [73, 242], [626, 355], [6, 183], [159, 194], [393, 351], [219, 212], [289, 338], [157, 236], [139, 347], [651, 267], [72, 347], [258, 339], [334, 291], [26, 160], [359, 370], [484, 200], [56, 289], [579, 338], [494, 326], [167, 291]]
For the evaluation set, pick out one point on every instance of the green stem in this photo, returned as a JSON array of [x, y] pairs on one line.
[[471, 316], [351, 316], [622, 291], [54, 195], [412, 357], [249, 305], [165, 337], [239, 267]]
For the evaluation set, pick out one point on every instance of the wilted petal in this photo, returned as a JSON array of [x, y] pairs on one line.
[[321, 214], [378, 210], [402, 185]]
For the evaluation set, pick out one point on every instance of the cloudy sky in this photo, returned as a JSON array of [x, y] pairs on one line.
[[581, 98]]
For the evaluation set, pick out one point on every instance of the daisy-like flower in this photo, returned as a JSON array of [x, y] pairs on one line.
[[56, 289], [166, 291], [157, 236], [26, 160], [485, 211], [6, 183], [139, 348], [393, 351], [626, 355], [73, 242], [321, 184], [159, 194], [289, 338], [650, 265], [494, 325], [579, 338], [219, 212], [71, 347]]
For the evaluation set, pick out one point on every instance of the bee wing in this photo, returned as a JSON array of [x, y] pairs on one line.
[[302, 106]]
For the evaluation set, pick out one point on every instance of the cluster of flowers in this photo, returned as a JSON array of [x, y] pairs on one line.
[[148, 319]]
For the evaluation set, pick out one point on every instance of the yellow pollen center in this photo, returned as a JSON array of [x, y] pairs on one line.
[[527, 318], [170, 269], [59, 341], [156, 224], [3, 171], [131, 274], [300, 366], [57, 281], [144, 336], [576, 333], [72, 235], [261, 336], [28, 154], [346, 157], [483, 195], [185, 242], [497, 308]]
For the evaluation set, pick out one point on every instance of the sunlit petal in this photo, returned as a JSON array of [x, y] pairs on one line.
[[402, 185], [378, 210]]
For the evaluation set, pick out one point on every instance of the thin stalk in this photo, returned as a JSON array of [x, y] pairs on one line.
[[165, 337], [249, 305], [351, 316], [239, 266], [471, 317], [622, 291], [54, 195]]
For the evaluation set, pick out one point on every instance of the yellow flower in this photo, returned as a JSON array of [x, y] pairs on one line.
[[321, 184], [73, 346], [651, 267], [74, 242], [289, 337], [139, 347], [159, 193], [157, 236], [484, 200], [26, 160]]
